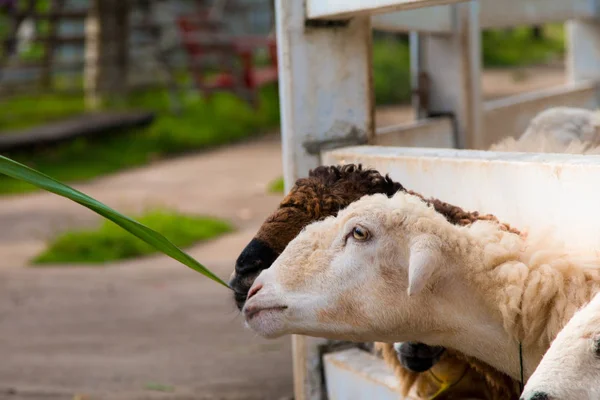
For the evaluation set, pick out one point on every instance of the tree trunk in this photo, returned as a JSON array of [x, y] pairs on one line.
[[106, 60], [537, 32]]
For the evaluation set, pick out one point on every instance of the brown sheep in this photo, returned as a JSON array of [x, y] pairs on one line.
[[323, 193]]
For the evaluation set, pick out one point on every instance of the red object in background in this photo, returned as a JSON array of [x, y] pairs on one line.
[[202, 38]]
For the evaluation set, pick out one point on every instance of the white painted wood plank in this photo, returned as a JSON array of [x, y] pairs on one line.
[[453, 64], [510, 116], [436, 19], [431, 132], [324, 79], [507, 13], [494, 14], [529, 191], [307, 367], [583, 50], [357, 375], [339, 9]]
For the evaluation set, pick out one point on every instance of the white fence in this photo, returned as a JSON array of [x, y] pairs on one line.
[[327, 98]]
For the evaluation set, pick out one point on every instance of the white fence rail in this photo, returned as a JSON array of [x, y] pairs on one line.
[[336, 9], [494, 14]]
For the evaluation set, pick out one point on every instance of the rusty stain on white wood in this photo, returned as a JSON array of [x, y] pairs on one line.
[[510, 116], [356, 375], [431, 132], [338, 9], [529, 191], [494, 14]]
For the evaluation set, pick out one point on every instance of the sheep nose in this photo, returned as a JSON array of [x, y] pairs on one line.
[[538, 396], [231, 280], [255, 257], [418, 357], [253, 290]]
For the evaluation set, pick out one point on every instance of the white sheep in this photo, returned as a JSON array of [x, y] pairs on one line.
[[393, 270], [557, 130], [565, 130], [570, 369]]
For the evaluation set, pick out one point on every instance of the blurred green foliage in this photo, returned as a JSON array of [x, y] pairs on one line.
[[203, 123], [500, 48], [27, 110], [391, 71], [277, 186], [518, 47], [224, 118]]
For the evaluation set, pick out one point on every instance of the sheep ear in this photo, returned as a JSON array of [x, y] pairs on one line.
[[425, 257]]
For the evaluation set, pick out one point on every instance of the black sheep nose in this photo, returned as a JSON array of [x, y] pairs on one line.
[[418, 357], [255, 257], [414, 349], [537, 396]]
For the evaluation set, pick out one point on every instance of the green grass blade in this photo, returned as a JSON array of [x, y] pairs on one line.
[[19, 171]]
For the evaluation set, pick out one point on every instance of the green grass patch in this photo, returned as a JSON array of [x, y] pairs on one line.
[[276, 186], [110, 242], [159, 387], [203, 124], [27, 111]]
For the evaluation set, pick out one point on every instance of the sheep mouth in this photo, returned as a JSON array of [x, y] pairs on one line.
[[241, 284], [252, 312], [240, 299]]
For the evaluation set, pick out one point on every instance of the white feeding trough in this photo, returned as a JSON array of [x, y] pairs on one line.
[[558, 191], [537, 191]]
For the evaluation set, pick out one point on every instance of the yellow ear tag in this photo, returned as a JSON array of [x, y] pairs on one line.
[[445, 385]]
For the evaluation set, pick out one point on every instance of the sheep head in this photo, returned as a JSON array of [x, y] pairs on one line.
[[570, 369], [323, 193], [359, 276]]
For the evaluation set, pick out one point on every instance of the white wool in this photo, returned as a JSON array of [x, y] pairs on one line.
[[570, 369], [534, 281], [540, 282], [557, 130]]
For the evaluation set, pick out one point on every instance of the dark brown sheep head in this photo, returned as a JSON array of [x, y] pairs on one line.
[[323, 193]]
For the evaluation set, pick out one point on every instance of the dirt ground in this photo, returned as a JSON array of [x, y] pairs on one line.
[[151, 328]]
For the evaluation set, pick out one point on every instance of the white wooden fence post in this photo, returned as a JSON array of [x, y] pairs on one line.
[[583, 49], [453, 65], [325, 88], [324, 79]]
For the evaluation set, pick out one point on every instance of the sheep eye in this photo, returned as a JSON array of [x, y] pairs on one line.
[[360, 234]]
